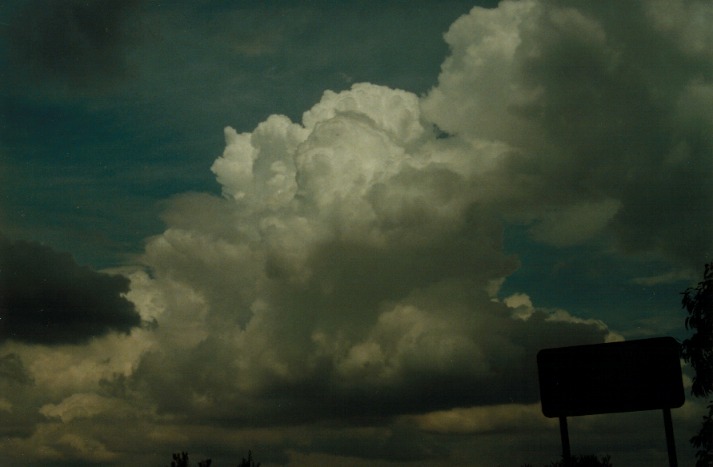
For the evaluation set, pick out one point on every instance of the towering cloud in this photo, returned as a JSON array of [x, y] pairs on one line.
[[352, 267], [350, 270]]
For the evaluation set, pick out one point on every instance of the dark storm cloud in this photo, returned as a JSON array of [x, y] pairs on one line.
[[427, 380], [47, 298], [75, 42]]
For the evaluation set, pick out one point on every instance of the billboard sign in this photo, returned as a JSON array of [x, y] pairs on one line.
[[626, 376]]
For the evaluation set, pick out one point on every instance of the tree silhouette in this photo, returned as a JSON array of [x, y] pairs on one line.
[[580, 461], [249, 461], [698, 351], [181, 460]]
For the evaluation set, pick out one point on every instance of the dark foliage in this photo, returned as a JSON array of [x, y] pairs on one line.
[[698, 351], [249, 461], [580, 461], [703, 440], [182, 460]]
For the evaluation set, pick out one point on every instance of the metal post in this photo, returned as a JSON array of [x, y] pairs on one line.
[[670, 442], [564, 434]]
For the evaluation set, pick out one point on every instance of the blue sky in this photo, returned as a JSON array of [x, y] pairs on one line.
[[342, 229], [147, 124]]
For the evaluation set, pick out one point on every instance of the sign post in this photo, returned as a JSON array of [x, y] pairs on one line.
[[564, 435], [606, 378], [670, 442]]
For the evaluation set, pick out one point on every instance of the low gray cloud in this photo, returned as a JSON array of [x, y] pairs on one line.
[[47, 298], [16, 386], [13, 371]]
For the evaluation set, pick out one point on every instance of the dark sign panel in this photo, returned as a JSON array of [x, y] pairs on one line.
[[616, 377]]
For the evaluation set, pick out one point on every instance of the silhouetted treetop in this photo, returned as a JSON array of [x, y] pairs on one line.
[[182, 460], [698, 349]]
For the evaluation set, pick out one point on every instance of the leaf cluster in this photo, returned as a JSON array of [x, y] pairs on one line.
[[698, 349], [181, 460], [580, 461]]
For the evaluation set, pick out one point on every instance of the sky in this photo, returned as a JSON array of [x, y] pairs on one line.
[[338, 233]]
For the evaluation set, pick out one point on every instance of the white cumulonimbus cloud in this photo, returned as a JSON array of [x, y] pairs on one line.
[[351, 268]]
